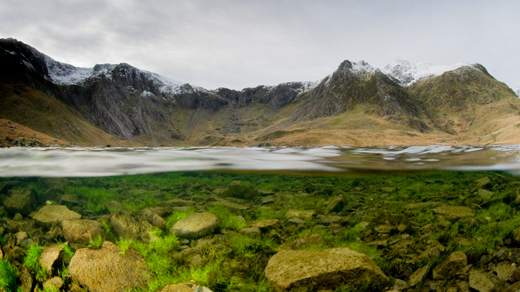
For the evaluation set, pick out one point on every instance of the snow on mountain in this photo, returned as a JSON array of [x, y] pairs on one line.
[[362, 67], [66, 74], [407, 72]]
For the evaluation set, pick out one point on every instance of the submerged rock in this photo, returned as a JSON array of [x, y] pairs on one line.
[[324, 269], [300, 214], [480, 281], [50, 257], [454, 212], [455, 262], [55, 214], [124, 226], [108, 270], [20, 201], [196, 225], [189, 286], [82, 230]]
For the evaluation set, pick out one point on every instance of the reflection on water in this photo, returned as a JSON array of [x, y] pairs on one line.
[[74, 162]]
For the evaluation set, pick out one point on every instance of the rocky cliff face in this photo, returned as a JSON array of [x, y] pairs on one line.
[[137, 105]]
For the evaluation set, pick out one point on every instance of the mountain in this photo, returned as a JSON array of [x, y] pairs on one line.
[[517, 91], [118, 104]]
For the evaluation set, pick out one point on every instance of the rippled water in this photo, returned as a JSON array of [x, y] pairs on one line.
[[77, 162]]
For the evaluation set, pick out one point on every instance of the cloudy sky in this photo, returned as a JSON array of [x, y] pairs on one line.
[[239, 43]]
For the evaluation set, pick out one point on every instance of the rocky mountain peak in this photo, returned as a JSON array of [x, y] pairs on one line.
[[407, 72]]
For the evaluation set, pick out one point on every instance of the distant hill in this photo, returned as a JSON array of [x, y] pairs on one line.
[[118, 104]]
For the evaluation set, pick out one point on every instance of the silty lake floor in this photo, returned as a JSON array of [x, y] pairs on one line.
[[426, 231]]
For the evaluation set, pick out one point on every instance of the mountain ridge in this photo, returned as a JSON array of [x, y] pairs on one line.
[[135, 106]]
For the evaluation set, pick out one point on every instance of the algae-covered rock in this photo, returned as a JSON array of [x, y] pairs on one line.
[[82, 230], [336, 204], [455, 262], [124, 226], [196, 225], [50, 257], [300, 214], [58, 183], [266, 223], [53, 284], [55, 214], [251, 231], [152, 218], [480, 281], [309, 239], [484, 182], [454, 212], [189, 286], [321, 269], [418, 276], [485, 194], [20, 201], [108, 270]]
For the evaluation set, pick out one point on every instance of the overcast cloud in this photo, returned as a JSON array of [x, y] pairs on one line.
[[239, 44]]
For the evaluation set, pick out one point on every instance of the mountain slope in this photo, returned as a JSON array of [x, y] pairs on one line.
[[356, 105]]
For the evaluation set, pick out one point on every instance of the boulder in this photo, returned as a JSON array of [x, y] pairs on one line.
[[82, 230], [504, 270], [108, 270], [484, 182], [20, 201], [196, 225], [26, 280], [455, 262], [51, 257], [454, 212], [480, 281], [485, 194], [50, 214], [321, 269]]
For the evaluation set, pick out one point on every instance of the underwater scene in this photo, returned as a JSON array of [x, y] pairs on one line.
[[435, 218]]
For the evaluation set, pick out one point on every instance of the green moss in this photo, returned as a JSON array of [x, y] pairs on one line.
[[7, 276], [226, 218], [96, 243], [31, 261], [176, 216]]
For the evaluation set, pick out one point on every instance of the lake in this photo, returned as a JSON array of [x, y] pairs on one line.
[[411, 210]]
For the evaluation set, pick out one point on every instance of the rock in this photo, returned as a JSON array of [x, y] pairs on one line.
[[331, 219], [50, 214], [51, 257], [480, 281], [230, 205], [418, 276], [82, 230], [20, 201], [53, 284], [389, 190], [152, 218], [26, 280], [251, 231], [399, 285], [196, 225], [20, 236], [454, 212], [385, 228], [310, 239], [484, 182], [18, 217], [114, 206], [189, 286], [300, 214], [266, 224], [124, 226], [323, 269], [504, 270], [5, 186], [58, 183], [485, 194], [455, 261], [71, 199], [107, 270], [336, 204], [513, 288]]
